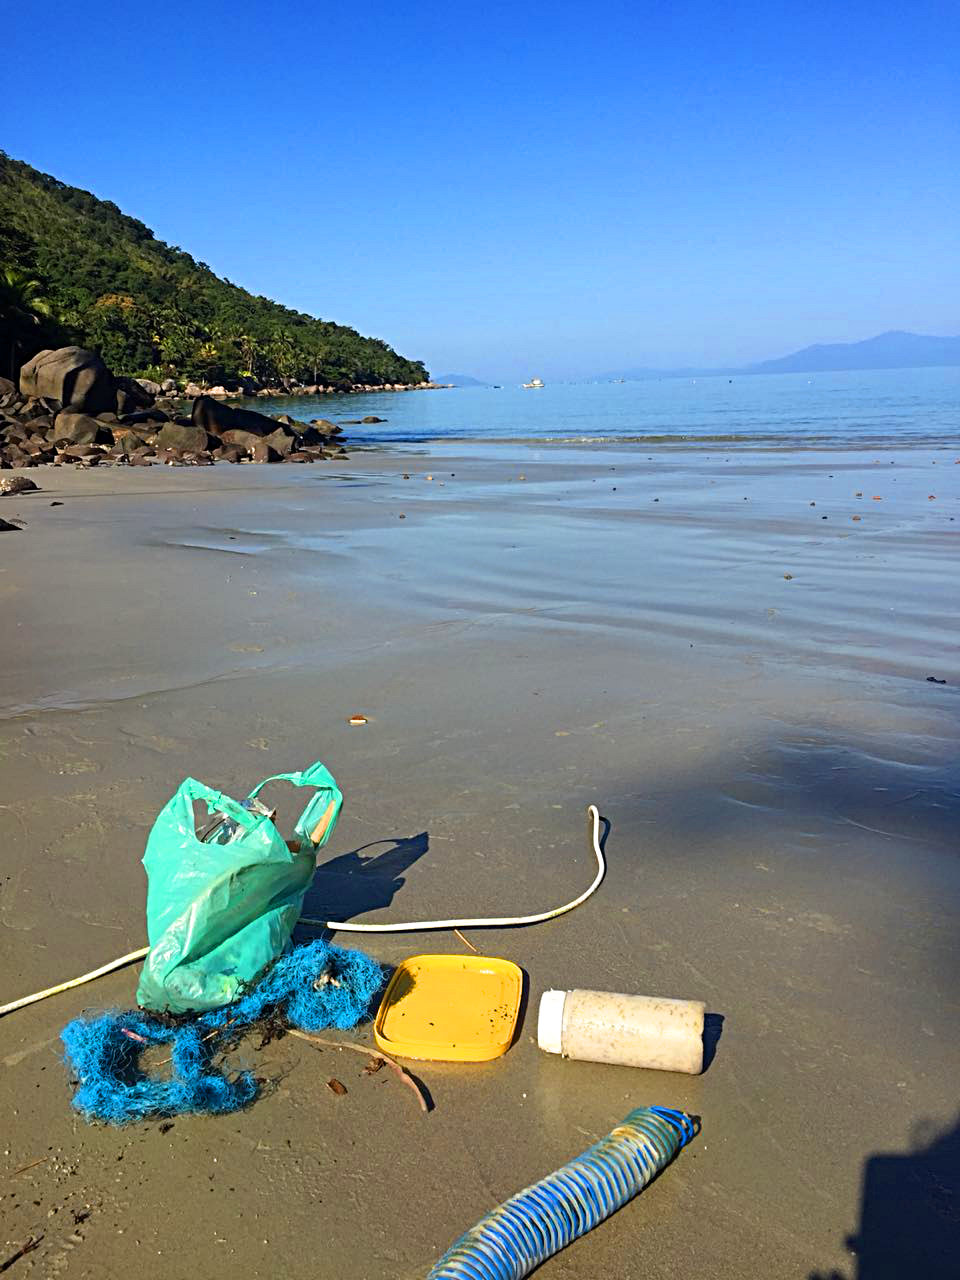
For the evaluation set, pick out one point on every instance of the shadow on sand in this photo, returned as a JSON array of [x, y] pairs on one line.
[[352, 885], [909, 1213]]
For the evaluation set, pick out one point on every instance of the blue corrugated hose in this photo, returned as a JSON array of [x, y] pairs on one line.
[[528, 1228]]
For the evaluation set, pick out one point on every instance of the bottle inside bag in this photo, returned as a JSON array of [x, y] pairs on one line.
[[224, 830]]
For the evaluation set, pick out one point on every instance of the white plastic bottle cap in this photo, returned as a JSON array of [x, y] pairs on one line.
[[550, 1021]]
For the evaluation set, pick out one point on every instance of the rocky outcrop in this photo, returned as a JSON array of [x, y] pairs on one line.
[[77, 379], [216, 417], [80, 428], [134, 427], [174, 435]]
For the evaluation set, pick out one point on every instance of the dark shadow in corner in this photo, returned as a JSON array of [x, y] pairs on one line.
[[909, 1214], [712, 1031], [353, 885]]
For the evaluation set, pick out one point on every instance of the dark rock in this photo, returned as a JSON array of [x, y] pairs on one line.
[[126, 403], [35, 408], [81, 451], [6, 388], [145, 415], [244, 440], [286, 420], [17, 484], [128, 443], [7, 527], [216, 417], [80, 428], [324, 427], [282, 441], [262, 452], [373, 418], [173, 435], [73, 376], [228, 453]]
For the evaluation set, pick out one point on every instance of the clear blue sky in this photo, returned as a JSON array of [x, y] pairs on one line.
[[516, 188]]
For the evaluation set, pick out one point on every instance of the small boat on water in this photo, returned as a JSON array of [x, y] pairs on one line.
[[534, 382]]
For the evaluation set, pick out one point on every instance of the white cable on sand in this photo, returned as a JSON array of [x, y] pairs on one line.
[[346, 926], [416, 926], [74, 982]]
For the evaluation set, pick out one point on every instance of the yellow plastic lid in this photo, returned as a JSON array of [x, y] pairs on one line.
[[450, 1008]]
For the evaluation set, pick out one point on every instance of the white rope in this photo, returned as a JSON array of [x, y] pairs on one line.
[[484, 922], [74, 982], [347, 926]]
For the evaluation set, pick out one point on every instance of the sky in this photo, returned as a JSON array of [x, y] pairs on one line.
[[518, 189]]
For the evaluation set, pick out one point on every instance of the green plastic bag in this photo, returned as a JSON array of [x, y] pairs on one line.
[[220, 909]]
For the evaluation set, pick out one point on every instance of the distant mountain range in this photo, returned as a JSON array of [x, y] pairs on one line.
[[459, 380], [892, 350]]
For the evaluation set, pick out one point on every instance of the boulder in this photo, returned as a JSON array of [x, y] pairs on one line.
[[216, 417], [77, 378], [145, 415], [325, 427], [372, 418], [152, 389], [174, 436], [262, 452], [168, 385], [126, 403], [17, 484], [81, 451], [128, 443], [6, 387], [137, 392], [244, 440], [281, 440], [80, 428], [191, 390]]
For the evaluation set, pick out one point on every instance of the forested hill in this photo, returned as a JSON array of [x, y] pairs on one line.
[[101, 279]]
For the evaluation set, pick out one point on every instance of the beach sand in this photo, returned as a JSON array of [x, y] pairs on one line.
[[675, 635]]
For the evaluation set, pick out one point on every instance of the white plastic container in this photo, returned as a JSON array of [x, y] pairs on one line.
[[634, 1031]]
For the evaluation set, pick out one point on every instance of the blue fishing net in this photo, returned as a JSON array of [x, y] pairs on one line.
[[310, 987]]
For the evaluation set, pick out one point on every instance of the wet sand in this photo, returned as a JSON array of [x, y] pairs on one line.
[[544, 629]]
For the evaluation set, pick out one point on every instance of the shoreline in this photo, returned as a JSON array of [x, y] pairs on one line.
[[535, 635]]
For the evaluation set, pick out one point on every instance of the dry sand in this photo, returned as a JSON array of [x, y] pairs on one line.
[[537, 634]]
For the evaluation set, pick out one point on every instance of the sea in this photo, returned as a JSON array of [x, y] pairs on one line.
[[875, 408]]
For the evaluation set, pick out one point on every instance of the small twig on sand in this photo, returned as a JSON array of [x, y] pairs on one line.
[[466, 942], [395, 1067], [27, 1247], [32, 1165]]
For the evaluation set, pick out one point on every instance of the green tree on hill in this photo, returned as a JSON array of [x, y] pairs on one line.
[[24, 309], [149, 307]]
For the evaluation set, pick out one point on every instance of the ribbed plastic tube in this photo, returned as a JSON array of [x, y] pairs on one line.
[[513, 1239]]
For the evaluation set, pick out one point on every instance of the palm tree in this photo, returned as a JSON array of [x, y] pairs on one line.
[[23, 306]]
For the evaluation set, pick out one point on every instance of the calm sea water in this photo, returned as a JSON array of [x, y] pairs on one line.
[[895, 406]]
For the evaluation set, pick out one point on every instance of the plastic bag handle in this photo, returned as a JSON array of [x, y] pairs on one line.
[[310, 826], [315, 775], [217, 802]]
